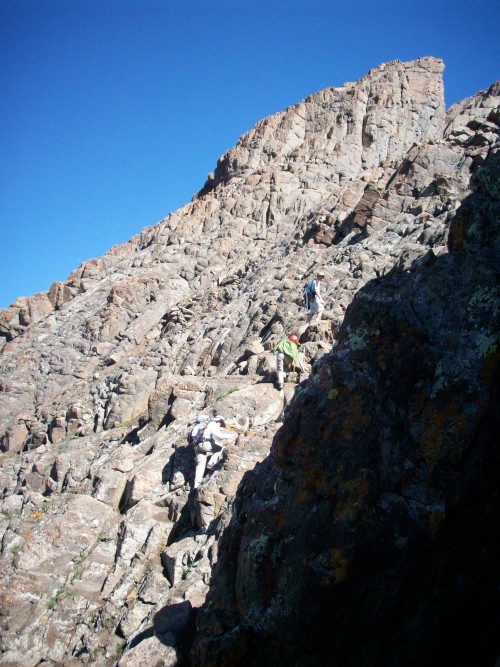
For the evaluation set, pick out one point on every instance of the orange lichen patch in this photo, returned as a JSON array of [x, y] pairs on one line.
[[434, 521], [303, 495], [457, 234], [328, 430], [315, 479], [279, 521], [267, 582], [419, 404], [358, 419], [458, 424], [37, 515], [384, 343], [439, 432], [284, 449]]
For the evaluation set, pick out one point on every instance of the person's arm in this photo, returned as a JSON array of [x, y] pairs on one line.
[[317, 290], [217, 434], [299, 363]]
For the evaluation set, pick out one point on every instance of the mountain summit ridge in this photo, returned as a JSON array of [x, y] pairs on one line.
[[101, 375]]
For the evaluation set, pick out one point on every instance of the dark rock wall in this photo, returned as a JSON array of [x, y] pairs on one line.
[[369, 535]]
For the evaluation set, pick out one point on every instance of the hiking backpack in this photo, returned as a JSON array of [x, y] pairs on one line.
[[309, 293], [197, 432]]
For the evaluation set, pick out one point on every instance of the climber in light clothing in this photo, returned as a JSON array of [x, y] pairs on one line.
[[209, 449], [317, 305]]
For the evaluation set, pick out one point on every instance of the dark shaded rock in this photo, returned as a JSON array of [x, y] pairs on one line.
[[368, 536]]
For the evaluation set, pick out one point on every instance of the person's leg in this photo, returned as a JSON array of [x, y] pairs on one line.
[[279, 369], [312, 311], [201, 463], [215, 457]]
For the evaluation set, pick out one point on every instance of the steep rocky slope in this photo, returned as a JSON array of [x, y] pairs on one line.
[[106, 550]]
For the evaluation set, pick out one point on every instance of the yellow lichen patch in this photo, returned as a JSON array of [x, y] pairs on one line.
[[356, 491], [132, 595], [338, 564], [89, 533], [381, 360], [315, 479]]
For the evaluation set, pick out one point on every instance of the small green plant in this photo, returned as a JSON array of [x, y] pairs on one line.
[[107, 622], [15, 550], [77, 574], [59, 593], [226, 393], [333, 393], [493, 349]]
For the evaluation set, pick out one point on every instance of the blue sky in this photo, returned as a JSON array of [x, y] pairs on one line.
[[114, 111]]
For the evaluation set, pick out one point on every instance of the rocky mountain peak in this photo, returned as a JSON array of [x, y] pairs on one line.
[[347, 129], [107, 548]]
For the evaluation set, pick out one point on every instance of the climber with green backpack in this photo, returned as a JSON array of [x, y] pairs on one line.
[[287, 358]]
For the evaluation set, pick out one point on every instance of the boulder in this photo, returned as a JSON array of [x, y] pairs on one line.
[[259, 404]]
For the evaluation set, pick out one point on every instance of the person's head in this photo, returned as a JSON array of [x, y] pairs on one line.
[[294, 338], [220, 420], [320, 276]]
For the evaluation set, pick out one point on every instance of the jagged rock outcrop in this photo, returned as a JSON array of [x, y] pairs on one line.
[[101, 376]]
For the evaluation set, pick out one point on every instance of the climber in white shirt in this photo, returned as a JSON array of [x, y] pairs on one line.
[[210, 449]]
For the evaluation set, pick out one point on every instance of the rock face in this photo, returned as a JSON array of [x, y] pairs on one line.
[[367, 536], [107, 552]]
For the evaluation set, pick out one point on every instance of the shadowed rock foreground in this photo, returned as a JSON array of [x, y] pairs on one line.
[[364, 533], [367, 537]]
